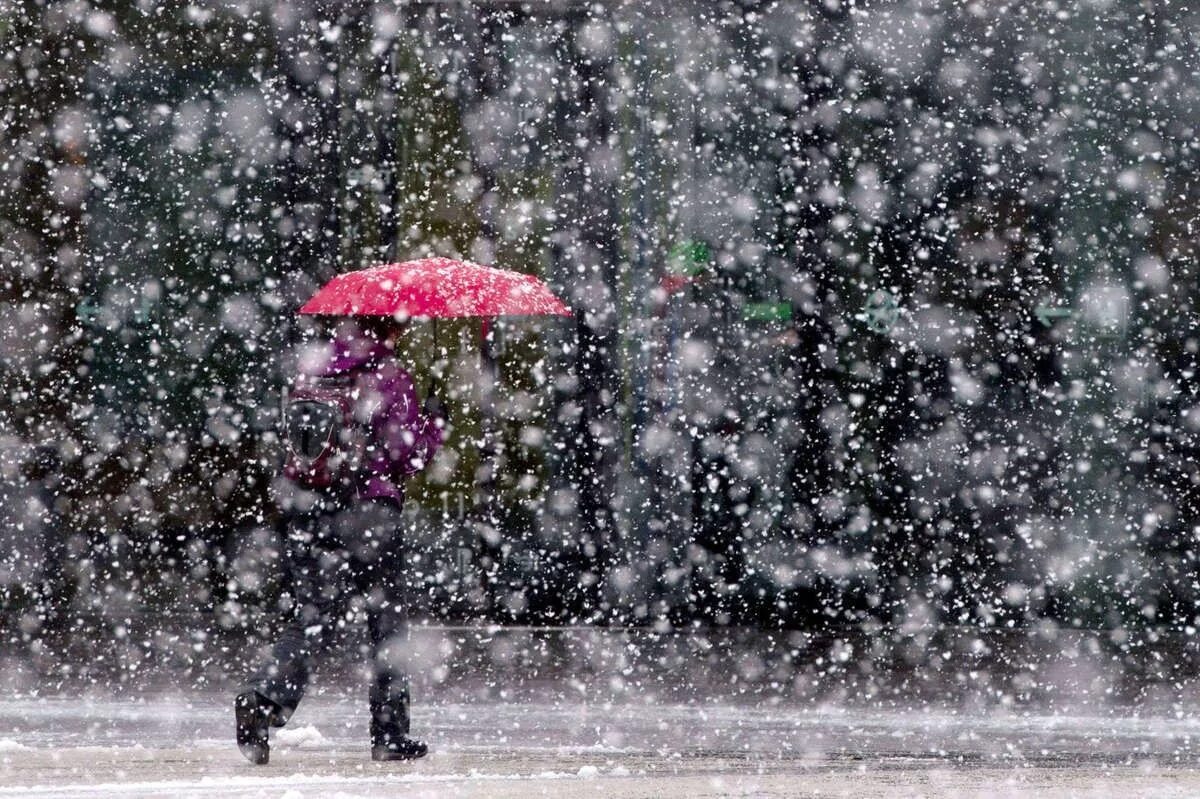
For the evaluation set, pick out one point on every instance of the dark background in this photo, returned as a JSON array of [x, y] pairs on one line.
[[727, 433]]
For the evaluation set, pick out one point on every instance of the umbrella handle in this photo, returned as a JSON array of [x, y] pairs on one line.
[[436, 356], [487, 345], [488, 361]]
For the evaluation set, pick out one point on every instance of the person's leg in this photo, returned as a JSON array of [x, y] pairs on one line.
[[378, 569], [313, 561]]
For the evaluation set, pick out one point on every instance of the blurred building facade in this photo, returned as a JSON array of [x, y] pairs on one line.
[[721, 435]]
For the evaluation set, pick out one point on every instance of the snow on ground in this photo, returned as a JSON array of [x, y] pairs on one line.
[[306, 737], [181, 745]]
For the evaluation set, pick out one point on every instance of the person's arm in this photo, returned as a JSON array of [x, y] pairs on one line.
[[411, 434]]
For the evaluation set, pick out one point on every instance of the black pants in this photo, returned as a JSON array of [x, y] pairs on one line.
[[331, 552]]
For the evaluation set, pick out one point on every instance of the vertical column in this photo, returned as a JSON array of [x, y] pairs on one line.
[[306, 98], [585, 253]]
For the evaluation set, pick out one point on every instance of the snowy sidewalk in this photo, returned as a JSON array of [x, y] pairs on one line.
[[181, 746]]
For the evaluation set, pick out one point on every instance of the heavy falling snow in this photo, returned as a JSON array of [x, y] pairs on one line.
[[832, 429]]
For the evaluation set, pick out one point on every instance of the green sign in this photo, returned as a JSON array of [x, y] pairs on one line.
[[767, 312], [1047, 314], [689, 257], [87, 310]]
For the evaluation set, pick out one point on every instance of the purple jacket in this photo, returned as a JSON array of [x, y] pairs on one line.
[[401, 438]]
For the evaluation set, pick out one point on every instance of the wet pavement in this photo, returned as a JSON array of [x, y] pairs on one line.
[[179, 744], [512, 712]]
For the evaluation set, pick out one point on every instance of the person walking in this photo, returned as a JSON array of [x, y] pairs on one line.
[[354, 434]]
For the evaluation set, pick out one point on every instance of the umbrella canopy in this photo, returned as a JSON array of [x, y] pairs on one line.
[[436, 288]]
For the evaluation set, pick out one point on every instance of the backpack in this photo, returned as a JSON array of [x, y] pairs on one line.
[[324, 441]]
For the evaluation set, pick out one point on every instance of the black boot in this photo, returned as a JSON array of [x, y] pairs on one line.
[[254, 713], [389, 729], [403, 748]]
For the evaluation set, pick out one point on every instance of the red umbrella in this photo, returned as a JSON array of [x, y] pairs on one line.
[[439, 288], [436, 288]]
